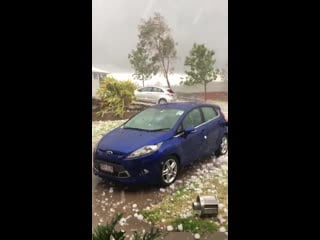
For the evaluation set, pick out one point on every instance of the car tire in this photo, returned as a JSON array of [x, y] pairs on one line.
[[223, 147], [162, 101], [169, 170]]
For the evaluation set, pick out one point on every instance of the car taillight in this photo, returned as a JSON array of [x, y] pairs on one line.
[[170, 94], [222, 114]]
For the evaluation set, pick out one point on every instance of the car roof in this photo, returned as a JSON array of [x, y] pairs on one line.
[[155, 87], [183, 105]]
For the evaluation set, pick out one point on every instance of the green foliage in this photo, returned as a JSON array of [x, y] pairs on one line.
[[143, 66], [115, 95], [153, 234], [108, 232], [201, 66], [105, 232], [196, 224], [155, 50]]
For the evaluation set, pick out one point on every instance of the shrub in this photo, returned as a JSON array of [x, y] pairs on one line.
[[107, 232], [115, 96]]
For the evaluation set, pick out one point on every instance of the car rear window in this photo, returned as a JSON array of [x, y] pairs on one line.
[[209, 113]]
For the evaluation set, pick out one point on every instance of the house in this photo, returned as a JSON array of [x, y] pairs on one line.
[[97, 77]]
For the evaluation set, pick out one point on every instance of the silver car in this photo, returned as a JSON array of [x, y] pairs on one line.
[[155, 95]]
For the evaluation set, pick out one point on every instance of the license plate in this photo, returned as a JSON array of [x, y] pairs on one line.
[[106, 168]]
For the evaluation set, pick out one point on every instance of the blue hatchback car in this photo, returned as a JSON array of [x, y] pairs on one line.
[[154, 145]]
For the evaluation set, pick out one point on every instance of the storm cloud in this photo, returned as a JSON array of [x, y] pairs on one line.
[[115, 22]]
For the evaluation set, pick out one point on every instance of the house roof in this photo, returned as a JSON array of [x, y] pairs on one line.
[[94, 69]]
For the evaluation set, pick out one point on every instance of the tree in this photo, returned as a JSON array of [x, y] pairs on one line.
[[141, 63], [155, 49], [201, 64]]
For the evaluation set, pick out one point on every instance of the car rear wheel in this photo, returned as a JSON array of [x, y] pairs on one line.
[[162, 101], [169, 170], [223, 147]]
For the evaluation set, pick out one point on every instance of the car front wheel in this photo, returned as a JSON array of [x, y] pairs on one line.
[[169, 170]]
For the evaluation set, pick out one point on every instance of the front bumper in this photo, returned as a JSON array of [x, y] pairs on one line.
[[139, 170]]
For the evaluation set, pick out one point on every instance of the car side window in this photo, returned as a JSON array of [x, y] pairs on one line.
[[209, 113], [180, 129], [142, 90], [148, 89], [193, 118], [155, 89]]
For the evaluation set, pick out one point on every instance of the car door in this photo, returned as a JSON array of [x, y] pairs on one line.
[[148, 94], [156, 94], [211, 129], [140, 94], [192, 144]]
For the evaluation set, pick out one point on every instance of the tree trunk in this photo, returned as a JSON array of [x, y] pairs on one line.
[[167, 78], [205, 91]]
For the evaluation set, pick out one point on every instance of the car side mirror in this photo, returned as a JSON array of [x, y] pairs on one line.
[[188, 130]]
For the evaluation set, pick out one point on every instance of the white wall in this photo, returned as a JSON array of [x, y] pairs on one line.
[[95, 86]]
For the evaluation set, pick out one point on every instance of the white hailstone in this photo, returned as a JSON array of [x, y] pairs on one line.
[[179, 181], [140, 217], [169, 228], [103, 193], [106, 199], [122, 221], [99, 224], [163, 220], [168, 211], [111, 190], [222, 229], [172, 186], [180, 227], [197, 236], [103, 209], [95, 214], [135, 215], [225, 210], [100, 220], [162, 190], [148, 208], [112, 210], [134, 205], [221, 205]]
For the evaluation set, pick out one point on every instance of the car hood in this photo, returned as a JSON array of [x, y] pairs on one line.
[[126, 141]]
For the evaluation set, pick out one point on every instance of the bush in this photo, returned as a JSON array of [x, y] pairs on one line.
[[115, 96], [107, 232]]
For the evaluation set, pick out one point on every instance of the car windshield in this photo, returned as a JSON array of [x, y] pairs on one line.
[[154, 119]]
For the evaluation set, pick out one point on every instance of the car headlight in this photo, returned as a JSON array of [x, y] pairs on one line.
[[146, 150]]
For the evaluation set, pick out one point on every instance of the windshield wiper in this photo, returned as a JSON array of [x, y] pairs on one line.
[[139, 129], [160, 129]]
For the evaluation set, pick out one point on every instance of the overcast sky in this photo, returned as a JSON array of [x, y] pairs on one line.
[[115, 22]]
